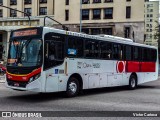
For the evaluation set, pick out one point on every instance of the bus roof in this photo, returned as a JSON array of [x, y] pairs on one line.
[[103, 37]]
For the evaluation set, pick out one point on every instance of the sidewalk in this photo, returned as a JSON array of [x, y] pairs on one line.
[[2, 79]]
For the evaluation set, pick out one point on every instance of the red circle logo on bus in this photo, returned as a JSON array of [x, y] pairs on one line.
[[120, 66]]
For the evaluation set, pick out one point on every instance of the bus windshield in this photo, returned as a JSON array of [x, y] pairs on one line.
[[25, 52]]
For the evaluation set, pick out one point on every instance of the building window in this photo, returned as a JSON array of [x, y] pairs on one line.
[[128, 0], [96, 13], [127, 32], [85, 1], [1, 37], [27, 1], [108, 13], [151, 15], [85, 14], [13, 2], [67, 2], [27, 10], [95, 31], [1, 51], [1, 13], [43, 11], [151, 10], [150, 25], [42, 1], [106, 1], [66, 15], [1, 2], [85, 30], [128, 12], [96, 1], [107, 31], [13, 13]]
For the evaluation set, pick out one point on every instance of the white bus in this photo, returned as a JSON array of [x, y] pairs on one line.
[[44, 59]]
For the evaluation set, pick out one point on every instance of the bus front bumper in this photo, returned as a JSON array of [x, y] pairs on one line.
[[34, 86]]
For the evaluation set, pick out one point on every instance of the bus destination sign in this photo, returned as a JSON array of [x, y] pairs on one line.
[[25, 33]]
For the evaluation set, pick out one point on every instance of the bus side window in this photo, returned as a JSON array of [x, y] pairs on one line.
[[105, 50], [91, 49], [146, 54], [88, 48], [117, 52], [75, 47], [128, 52], [136, 54], [153, 55]]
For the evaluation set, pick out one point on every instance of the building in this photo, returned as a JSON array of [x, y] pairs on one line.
[[124, 18], [151, 21], [10, 19]]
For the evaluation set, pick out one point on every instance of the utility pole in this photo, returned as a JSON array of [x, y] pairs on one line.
[[80, 16]]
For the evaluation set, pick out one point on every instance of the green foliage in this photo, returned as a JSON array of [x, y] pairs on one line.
[[157, 33]]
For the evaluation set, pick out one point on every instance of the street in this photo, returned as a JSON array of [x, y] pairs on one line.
[[145, 98]]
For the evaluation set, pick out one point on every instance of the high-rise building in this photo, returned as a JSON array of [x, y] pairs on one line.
[[151, 21]]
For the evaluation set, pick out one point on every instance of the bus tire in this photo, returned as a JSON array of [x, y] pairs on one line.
[[72, 87], [132, 82]]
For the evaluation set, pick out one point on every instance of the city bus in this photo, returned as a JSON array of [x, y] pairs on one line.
[[45, 59]]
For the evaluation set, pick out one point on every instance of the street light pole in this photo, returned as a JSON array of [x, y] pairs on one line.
[[80, 16], [18, 11]]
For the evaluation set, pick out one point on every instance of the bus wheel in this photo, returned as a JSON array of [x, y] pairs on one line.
[[72, 87], [132, 82]]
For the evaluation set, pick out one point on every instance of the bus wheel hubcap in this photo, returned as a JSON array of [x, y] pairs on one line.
[[72, 87], [133, 83]]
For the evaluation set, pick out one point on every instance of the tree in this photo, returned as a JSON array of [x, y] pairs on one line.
[[157, 37], [157, 34]]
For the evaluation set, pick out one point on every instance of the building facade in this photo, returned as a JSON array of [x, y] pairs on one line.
[[151, 22], [10, 19], [124, 18]]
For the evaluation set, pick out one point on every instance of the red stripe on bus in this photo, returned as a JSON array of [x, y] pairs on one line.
[[140, 66], [23, 78], [148, 66], [132, 66]]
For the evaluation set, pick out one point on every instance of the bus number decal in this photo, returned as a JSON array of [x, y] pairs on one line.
[[81, 65], [96, 65]]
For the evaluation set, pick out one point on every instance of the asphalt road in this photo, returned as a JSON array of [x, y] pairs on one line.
[[145, 98]]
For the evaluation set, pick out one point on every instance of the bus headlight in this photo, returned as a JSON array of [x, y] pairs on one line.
[[34, 77]]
